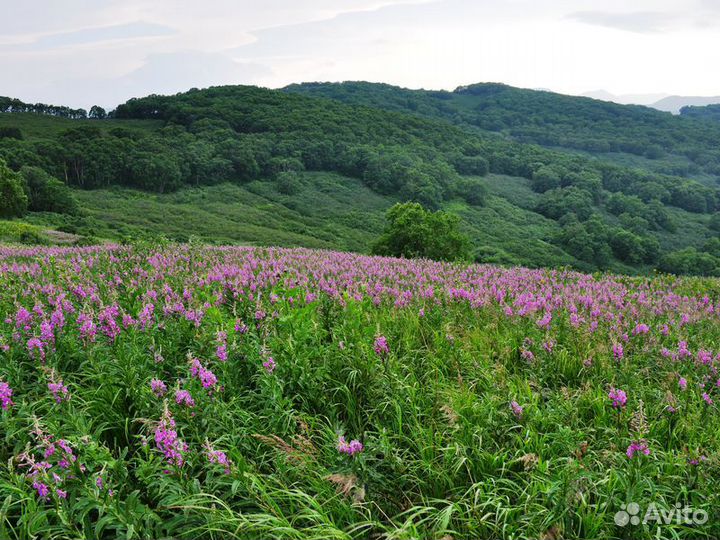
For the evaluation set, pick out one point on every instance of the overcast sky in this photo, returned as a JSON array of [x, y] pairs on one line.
[[82, 52]]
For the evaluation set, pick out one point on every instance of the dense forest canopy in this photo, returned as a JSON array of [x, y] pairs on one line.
[[550, 119], [707, 112], [427, 147]]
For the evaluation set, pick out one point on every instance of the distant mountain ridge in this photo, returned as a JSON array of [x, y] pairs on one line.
[[662, 102], [626, 99], [674, 104]]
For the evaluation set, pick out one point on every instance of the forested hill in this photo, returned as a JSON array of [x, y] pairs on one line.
[[672, 144], [707, 112], [596, 214]]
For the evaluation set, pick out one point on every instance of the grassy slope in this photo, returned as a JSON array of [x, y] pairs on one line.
[[35, 126], [330, 211]]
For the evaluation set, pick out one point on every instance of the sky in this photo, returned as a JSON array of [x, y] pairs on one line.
[[84, 52]]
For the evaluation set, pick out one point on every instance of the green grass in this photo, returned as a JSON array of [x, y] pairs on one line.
[[38, 126], [335, 212], [22, 233], [329, 211]]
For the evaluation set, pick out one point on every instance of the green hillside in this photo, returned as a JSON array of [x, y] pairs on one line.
[[251, 165], [328, 210], [667, 143]]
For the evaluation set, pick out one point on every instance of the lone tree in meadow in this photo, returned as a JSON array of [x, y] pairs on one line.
[[414, 232]]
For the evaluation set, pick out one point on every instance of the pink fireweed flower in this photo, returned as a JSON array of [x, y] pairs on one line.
[[516, 409], [350, 448], [240, 327], [158, 387], [62, 494], [59, 391], [23, 318], [5, 396], [618, 351], [637, 447], [167, 441], [704, 357], [33, 345], [217, 457], [706, 397], [183, 397], [641, 329], [682, 383], [65, 447], [381, 346], [544, 322], [195, 366], [269, 364], [88, 329], [696, 461], [221, 352], [47, 332], [146, 315], [618, 397], [42, 490], [207, 378]]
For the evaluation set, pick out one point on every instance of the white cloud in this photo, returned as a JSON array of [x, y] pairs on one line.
[[80, 52]]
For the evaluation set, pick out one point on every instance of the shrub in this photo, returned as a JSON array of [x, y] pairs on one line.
[[413, 231]]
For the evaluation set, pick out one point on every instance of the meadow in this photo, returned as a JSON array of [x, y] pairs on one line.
[[193, 391]]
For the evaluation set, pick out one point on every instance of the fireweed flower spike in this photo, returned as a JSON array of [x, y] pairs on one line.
[[217, 457], [183, 397], [637, 447], [618, 398], [269, 365], [516, 409], [350, 448], [5, 395], [381, 346], [158, 387], [167, 440], [59, 391]]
